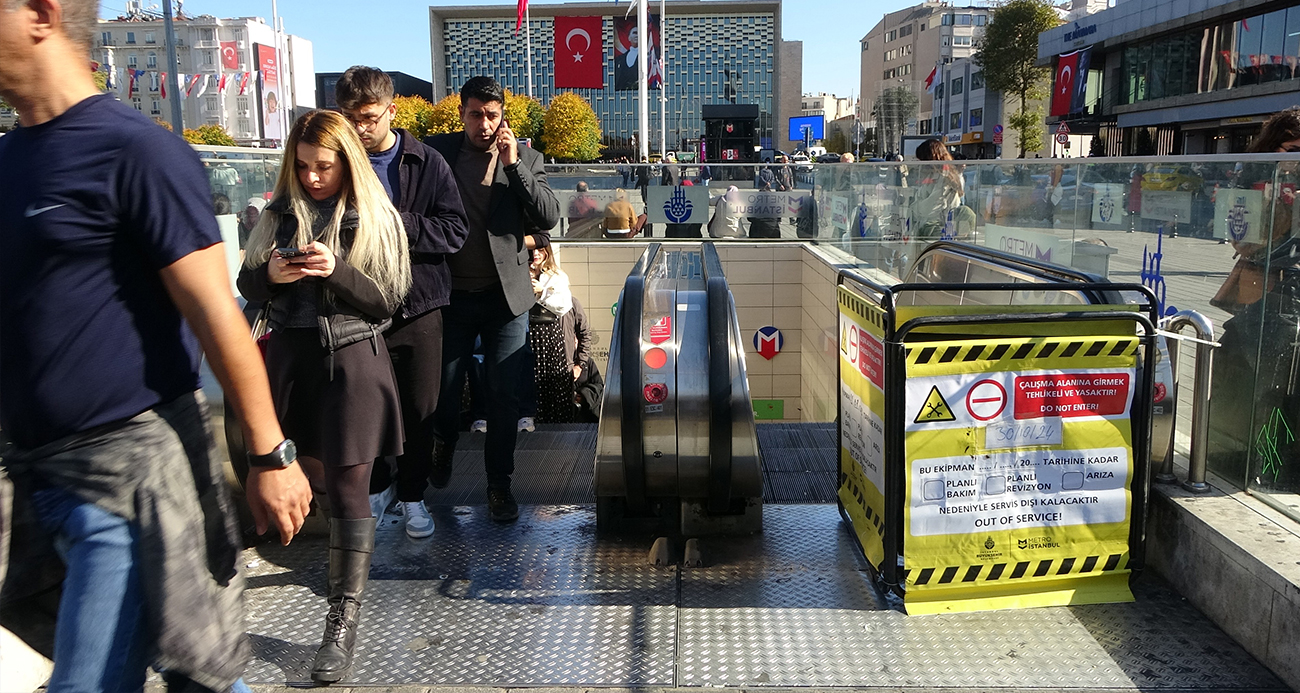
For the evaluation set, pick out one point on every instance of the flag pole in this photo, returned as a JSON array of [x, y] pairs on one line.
[[643, 94], [663, 85], [528, 47]]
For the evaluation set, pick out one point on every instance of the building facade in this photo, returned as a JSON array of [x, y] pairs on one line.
[[1179, 77], [709, 46], [971, 118], [828, 105], [403, 85], [899, 53], [209, 48]]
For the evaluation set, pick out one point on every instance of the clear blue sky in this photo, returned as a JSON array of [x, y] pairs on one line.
[[394, 34]]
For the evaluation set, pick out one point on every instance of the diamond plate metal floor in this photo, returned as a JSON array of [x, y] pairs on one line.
[[545, 603]]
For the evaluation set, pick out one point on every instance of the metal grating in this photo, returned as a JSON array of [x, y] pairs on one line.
[[544, 602]]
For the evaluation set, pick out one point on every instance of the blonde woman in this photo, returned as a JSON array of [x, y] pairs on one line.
[[330, 257]]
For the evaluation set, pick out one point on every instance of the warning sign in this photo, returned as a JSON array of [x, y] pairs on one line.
[[1019, 490], [661, 330], [934, 408], [1078, 394], [986, 400], [862, 422]]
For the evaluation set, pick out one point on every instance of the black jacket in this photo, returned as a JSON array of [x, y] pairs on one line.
[[522, 203], [435, 223], [359, 310]]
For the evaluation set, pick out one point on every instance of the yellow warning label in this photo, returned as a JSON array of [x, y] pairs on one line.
[[934, 409]]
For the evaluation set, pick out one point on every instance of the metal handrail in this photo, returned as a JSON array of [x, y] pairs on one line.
[[1196, 467], [720, 393], [631, 310]]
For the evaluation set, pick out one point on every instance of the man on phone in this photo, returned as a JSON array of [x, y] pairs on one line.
[[111, 264], [423, 190], [511, 210]]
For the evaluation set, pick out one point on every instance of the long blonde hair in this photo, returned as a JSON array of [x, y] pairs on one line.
[[379, 249]]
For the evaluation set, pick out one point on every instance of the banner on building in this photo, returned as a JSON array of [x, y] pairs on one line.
[[1071, 83], [269, 94], [579, 53], [627, 53]]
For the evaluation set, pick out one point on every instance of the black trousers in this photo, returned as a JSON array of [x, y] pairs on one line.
[[415, 347]]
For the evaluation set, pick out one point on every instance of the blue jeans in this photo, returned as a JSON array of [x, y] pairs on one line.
[[485, 315], [101, 641]]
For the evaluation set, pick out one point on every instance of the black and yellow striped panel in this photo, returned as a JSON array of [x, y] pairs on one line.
[[1006, 572], [991, 353], [856, 304], [872, 515]]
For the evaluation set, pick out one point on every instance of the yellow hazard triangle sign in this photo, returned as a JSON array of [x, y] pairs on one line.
[[935, 409]]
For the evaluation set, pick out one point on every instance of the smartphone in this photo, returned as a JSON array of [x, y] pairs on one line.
[[289, 253]]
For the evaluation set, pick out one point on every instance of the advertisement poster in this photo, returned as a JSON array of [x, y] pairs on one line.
[[627, 53], [269, 96]]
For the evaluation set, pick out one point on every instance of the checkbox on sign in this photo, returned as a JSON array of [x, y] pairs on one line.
[[933, 490], [995, 485], [1071, 481]]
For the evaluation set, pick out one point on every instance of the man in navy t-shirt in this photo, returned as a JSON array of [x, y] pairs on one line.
[[109, 257]]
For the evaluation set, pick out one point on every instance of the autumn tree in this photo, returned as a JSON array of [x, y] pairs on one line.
[[1008, 56], [162, 124], [445, 116], [571, 130], [211, 135], [525, 115], [414, 114]]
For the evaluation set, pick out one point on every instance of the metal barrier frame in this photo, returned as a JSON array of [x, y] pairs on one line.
[[895, 343], [630, 308]]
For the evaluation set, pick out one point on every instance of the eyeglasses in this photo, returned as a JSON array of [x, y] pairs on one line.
[[366, 122]]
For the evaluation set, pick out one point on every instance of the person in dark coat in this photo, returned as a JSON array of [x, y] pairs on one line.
[[329, 257], [420, 185], [511, 209]]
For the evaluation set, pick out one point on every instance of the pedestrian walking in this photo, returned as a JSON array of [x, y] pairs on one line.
[[330, 258], [112, 275], [421, 186], [643, 180], [511, 209]]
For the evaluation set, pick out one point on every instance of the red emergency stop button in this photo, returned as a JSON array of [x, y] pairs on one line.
[[656, 393]]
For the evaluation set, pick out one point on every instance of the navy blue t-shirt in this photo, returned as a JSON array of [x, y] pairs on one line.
[[92, 205], [387, 166]]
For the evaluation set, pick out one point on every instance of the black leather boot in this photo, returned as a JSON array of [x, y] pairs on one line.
[[351, 543]]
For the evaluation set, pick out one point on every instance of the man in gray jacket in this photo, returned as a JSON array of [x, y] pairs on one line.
[[511, 210]]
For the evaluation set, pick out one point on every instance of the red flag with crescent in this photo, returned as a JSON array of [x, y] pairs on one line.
[[520, 11], [579, 53], [229, 55], [1063, 86]]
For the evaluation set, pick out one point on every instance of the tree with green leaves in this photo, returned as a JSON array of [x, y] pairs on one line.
[[525, 115], [1008, 54], [571, 129], [837, 142], [413, 115], [211, 135]]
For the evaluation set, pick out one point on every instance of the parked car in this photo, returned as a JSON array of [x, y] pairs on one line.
[[801, 162], [828, 158]]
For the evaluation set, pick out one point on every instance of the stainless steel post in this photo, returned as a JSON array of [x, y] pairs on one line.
[[1200, 396]]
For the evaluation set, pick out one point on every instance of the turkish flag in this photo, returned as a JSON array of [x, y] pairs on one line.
[[229, 55], [579, 53], [1063, 86]]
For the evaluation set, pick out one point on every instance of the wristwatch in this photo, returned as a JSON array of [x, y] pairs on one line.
[[284, 454]]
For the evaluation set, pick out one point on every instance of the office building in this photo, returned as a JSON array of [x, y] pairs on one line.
[[898, 54], [1169, 77], [403, 85], [210, 48], [829, 105], [716, 53]]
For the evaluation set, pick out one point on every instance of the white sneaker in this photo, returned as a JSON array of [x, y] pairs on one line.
[[526, 424], [419, 523], [479, 426], [380, 502]]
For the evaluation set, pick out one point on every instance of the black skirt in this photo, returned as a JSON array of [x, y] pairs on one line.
[[343, 419], [553, 372]]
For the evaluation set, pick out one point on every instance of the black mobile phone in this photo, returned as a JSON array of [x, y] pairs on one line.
[[288, 253]]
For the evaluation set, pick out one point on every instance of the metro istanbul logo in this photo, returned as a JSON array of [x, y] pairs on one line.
[[678, 208]]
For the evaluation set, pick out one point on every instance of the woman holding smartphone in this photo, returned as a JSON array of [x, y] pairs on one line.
[[330, 256]]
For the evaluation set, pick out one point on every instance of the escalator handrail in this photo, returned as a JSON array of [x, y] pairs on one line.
[[631, 311], [1036, 268], [718, 297]]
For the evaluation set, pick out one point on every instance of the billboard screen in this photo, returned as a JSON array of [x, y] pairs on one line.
[[816, 122]]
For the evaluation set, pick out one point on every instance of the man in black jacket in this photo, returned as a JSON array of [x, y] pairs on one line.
[[421, 186], [511, 210]]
